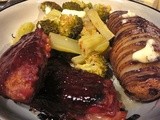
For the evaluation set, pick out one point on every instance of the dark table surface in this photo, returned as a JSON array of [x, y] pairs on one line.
[[4, 5]]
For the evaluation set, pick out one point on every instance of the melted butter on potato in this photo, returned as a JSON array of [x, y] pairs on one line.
[[146, 54]]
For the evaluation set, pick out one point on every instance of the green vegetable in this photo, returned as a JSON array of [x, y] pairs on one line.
[[94, 63], [70, 26], [63, 43], [47, 6], [103, 11], [65, 25], [72, 6], [48, 26], [83, 5]]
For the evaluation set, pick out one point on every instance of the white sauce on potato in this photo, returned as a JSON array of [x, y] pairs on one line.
[[124, 21], [146, 54]]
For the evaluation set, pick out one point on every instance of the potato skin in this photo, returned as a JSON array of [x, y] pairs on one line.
[[140, 81]]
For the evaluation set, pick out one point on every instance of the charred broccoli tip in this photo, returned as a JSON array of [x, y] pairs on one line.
[[50, 5], [48, 26], [82, 4], [72, 6]]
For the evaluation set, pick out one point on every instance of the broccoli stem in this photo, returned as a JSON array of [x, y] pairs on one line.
[[63, 43]]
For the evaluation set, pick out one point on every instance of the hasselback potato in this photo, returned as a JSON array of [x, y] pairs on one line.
[[139, 77]]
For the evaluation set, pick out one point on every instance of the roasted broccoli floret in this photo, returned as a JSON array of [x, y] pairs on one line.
[[103, 11], [72, 6], [47, 6], [48, 26], [70, 25], [93, 63], [83, 5]]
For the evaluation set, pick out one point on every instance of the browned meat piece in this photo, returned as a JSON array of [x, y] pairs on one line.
[[141, 81], [22, 65], [71, 94]]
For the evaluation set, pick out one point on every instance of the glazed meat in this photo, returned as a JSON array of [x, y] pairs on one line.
[[71, 94], [22, 66], [141, 81]]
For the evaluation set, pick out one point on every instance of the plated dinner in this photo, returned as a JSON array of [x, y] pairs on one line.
[[81, 60]]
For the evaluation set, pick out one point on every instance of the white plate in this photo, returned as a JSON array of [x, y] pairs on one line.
[[13, 17]]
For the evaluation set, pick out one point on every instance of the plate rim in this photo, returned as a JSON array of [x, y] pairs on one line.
[[46, 0], [13, 4], [145, 5]]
